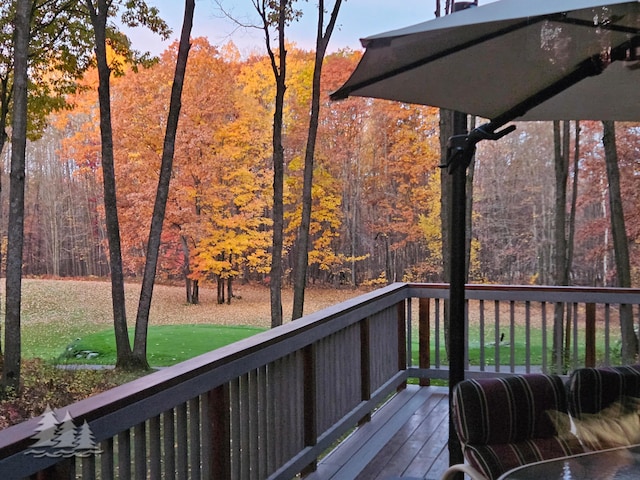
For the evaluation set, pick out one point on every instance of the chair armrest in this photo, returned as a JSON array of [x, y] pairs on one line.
[[450, 473]]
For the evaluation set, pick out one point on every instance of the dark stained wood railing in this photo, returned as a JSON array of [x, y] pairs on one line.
[[270, 405]]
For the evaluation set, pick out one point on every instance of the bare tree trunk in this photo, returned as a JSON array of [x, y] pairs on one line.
[[469, 216], [300, 274], [574, 199], [166, 168], [279, 68], [12, 338], [99, 17], [446, 132], [620, 241], [560, 240]]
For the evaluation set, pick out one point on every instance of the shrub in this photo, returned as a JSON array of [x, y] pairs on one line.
[[46, 385]]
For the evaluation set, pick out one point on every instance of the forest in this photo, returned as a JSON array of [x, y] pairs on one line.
[[376, 192]]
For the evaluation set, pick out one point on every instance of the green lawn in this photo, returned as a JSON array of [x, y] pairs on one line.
[[166, 344], [505, 350]]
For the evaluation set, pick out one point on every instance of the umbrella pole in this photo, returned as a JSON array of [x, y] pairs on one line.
[[457, 268], [460, 150]]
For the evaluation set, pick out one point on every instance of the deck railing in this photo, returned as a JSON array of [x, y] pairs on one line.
[[270, 405]]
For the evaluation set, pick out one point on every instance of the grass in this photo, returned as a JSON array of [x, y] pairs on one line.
[[166, 344], [505, 350], [57, 312]]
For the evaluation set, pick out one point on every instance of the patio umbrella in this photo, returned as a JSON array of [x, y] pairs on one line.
[[505, 61]]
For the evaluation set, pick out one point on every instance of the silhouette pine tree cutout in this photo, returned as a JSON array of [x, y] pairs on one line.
[[55, 438]]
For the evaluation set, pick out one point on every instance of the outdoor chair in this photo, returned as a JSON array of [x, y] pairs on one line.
[[604, 404], [503, 423]]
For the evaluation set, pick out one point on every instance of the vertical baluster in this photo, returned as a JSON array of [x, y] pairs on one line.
[[140, 451], [155, 450], [271, 415], [409, 333], [424, 337], [72, 467], [512, 335], [466, 335], [299, 395], [545, 353], [437, 333], [206, 440], [244, 429], [124, 455], [182, 442], [574, 308], [557, 338], [234, 401], [89, 467], [194, 438], [607, 334], [483, 359], [220, 412], [169, 442], [252, 402], [527, 335], [284, 436], [263, 443], [365, 363], [497, 334], [590, 335], [106, 459]]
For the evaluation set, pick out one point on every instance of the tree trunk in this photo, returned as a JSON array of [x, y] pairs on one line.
[[574, 199], [620, 241], [157, 219], [220, 290], [560, 240], [190, 285], [446, 132], [123, 347], [12, 338], [300, 273], [469, 208], [279, 72]]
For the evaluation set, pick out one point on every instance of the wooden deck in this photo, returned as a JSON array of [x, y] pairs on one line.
[[407, 437]]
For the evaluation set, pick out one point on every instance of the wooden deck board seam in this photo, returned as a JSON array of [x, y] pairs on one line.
[[370, 448]]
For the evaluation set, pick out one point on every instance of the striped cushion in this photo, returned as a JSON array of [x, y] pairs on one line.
[[594, 389], [494, 460], [504, 422]]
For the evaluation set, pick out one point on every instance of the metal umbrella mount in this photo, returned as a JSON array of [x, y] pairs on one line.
[[510, 60]]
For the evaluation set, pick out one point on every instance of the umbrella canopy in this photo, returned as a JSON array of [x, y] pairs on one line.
[[507, 57]]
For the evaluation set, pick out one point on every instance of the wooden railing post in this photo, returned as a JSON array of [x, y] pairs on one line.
[[219, 416], [424, 337], [590, 335]]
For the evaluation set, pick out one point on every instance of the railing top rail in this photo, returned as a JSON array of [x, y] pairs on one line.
[[549, 294]]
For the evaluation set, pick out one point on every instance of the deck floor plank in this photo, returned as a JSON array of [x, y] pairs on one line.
[[433, 448], [413, 447], [406, 437], [348, 452]]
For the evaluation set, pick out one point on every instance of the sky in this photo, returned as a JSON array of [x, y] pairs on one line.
[[357, 19]]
